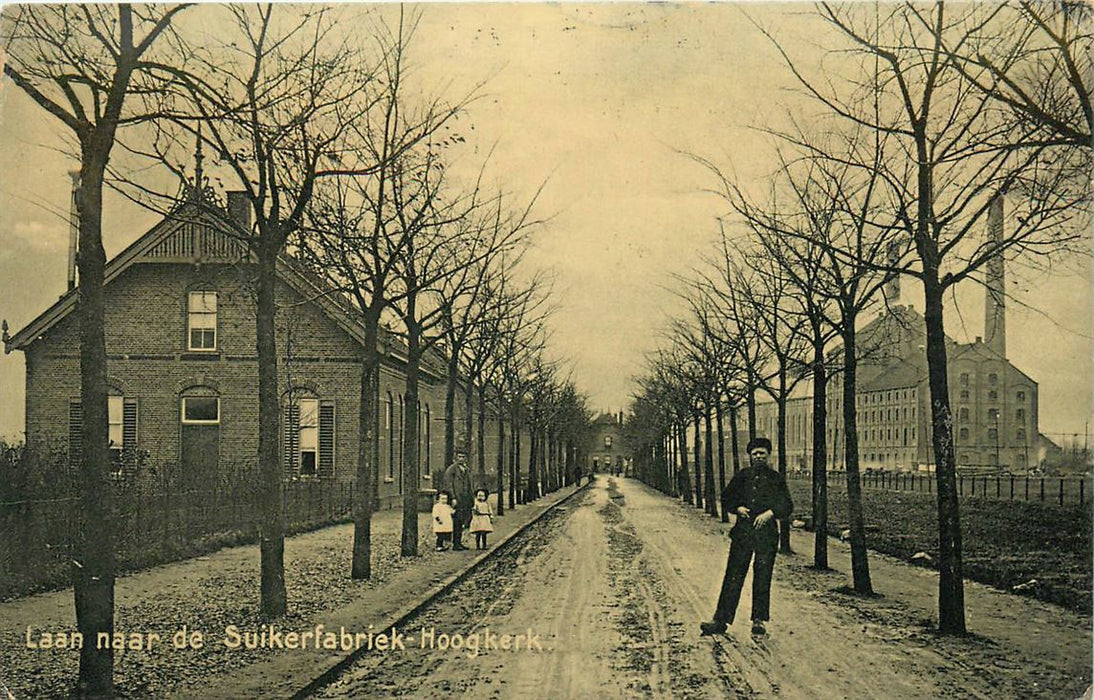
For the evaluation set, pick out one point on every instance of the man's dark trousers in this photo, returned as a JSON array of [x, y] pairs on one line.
[[741, 551], [458, 523]]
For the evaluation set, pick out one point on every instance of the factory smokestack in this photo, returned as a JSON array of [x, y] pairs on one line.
[[995, 319]]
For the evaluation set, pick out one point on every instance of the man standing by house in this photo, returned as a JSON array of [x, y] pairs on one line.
[[758, 496], [457, 479]]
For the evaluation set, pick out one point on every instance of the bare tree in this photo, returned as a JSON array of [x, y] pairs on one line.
[[352, 239], [274, 93], [1035, 58], [948, 154], [82, 65]]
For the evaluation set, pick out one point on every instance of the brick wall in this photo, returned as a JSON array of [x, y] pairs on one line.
[[148, 360]]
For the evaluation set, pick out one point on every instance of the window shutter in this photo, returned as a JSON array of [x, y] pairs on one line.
[[75, 432], [129, 425], [326, 440], [292, 440]]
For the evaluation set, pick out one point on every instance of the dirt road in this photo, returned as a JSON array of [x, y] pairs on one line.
[[606, 595]]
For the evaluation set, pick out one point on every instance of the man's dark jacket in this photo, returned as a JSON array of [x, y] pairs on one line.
[[458, 482], [758, 489]]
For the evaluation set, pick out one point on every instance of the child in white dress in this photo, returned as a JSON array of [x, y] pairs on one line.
[[442, 521], [482, 518]]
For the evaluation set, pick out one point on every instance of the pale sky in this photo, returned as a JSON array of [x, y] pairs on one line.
[[599, 100]]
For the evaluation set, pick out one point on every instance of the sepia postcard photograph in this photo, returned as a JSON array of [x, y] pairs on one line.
[[547, 350]]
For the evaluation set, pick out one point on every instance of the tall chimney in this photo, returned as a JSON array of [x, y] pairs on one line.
[[995, 319], [891, 289], [239, 208], [73, 229]]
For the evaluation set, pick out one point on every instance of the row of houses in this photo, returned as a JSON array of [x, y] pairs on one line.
[[182, 365]]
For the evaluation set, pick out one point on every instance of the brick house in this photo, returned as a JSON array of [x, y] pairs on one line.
[[182, 365]]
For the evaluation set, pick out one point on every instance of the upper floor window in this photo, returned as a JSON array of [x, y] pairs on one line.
[[993, 378], [964, 394], [963, 415], [993, 414], [1021, 396], [201, 321], [963, 434], [993, 395], [964, 379]]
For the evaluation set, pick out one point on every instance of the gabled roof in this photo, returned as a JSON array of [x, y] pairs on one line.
[[156, 245], [982, 349], [186, 213], [897, 375]]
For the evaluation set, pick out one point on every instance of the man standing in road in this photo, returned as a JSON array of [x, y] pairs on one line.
[[457, 479], [758, 496]]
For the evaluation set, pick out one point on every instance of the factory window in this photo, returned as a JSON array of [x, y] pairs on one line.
[[964, 379], [993, 378], [1021, 396], [963, 434], [1020, 414]]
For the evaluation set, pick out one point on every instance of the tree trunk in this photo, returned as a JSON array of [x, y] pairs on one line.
[[274, 600], [480, 446], [951, 586], [516, 493], [780, 430], [361, 565], [750, 400], [410, 440], [735, 440], [698, 463], [709, 496], [820, 456], [860, 565], [531, 491], [669, 449], [468, 420], [93, 567], [719, 415], [500, 488], [450, 409], [682, 441]]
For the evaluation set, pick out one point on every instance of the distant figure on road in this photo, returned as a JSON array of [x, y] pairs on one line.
[[482, 518], [442, 521], [457, 479], [758, 496]]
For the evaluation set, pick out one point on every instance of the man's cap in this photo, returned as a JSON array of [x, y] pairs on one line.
[[758, 442]]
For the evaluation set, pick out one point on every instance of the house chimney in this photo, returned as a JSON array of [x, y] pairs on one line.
[[995, 320], [73, 229], [239, 208]]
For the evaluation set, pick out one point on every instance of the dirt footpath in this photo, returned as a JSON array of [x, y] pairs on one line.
[[607, 594]]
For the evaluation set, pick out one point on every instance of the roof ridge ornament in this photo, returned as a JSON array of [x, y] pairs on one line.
[[197, 190]]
